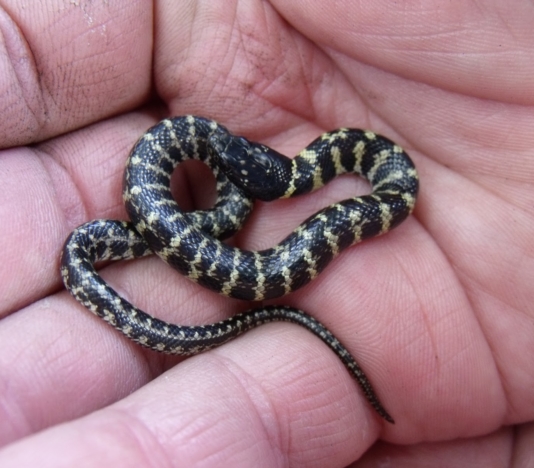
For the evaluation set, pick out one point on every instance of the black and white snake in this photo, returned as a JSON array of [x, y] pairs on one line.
[[190, 242]]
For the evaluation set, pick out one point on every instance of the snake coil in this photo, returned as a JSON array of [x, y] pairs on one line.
[[191, 242]]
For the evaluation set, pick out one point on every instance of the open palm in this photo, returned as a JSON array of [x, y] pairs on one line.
[[439, 313]]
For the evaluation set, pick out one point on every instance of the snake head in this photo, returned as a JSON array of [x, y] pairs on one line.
[[258, 170]]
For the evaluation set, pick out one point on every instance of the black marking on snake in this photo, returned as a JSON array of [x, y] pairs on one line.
[[190, 242]]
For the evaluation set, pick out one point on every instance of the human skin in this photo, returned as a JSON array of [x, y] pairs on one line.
[[439, 312]]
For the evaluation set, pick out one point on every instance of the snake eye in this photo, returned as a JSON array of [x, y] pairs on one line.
[[262, 159]]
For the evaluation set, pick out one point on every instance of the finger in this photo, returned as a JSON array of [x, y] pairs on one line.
[[51, 189], [245, 404], [460, 47], [495, 449], [69, 64], [58, 361]]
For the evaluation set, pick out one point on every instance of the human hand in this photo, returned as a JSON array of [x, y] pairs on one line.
[[438, 312]]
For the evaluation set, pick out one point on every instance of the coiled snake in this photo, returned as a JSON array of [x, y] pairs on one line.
[[190, 242]]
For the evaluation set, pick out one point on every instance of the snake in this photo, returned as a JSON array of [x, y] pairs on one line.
[[192, 242]]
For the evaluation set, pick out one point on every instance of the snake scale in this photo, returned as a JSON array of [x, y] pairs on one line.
[[191, 241]]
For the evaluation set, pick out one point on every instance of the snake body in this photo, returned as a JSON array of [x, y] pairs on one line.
[[190, 242]]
